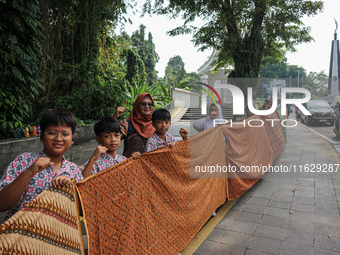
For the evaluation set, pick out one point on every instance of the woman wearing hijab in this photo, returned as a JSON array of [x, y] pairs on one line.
[[215, 112], [267, 104], [137, 129]]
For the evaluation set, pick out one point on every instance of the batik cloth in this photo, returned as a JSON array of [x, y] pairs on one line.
[[49, 224]]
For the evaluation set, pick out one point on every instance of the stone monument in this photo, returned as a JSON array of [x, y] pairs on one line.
[[334, 68]]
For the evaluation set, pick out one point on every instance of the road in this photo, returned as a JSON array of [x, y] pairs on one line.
[[322, 128]]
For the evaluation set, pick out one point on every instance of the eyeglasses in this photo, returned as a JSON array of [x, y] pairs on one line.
[[53, 135], [150, 105]]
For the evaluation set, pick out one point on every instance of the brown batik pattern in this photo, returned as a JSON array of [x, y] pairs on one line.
[[49, 224], [148, 205]]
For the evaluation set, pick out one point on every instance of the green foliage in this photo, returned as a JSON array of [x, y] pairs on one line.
[[176, 76], [317, 83], [147, 53], [58, 53], [135, 66], [20, 58], [243, 32], [158, 91]]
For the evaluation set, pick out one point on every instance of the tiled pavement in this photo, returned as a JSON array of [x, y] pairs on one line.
[[285, 213]]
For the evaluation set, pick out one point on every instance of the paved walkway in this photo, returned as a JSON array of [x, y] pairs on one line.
[[286, 213]]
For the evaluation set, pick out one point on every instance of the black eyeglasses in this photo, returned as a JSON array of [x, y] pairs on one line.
[[150, 105], [51, 135]]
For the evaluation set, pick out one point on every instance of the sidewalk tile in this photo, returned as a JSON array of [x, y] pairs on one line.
[[236, 239], [243, 227], [306, 194], [300, 225], [294, 248], [280, 204], [254, 208], [249, 217], [276, 212], [274, 221], [226, 249], [324, 219], [303, 200], [258, 201], [206, 247], [264, 244], [216, 235], [324, 242], [318, 251], [302, 207], [299, 237], [270, 232], [254, 252], [327, 229]]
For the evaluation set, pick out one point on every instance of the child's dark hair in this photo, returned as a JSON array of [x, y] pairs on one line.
[[161, 114], [107, 125], [57, 116]]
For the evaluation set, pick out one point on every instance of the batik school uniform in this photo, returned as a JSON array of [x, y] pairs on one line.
[[156, 142], [105, 161], [38, 182]]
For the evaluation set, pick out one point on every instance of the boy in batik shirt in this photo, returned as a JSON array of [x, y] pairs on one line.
[[161, 120], [32, 173], [108, 136]]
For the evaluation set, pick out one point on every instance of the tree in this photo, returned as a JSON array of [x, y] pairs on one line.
[[178, 67], [20, 59], [146, 51], [275, 70], [317, 83], [243, 32]]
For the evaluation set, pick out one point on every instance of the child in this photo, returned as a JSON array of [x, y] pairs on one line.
[[108, 135], [31, 173], [161, 120]]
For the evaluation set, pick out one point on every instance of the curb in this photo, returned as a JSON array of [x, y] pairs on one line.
[[335, 145]]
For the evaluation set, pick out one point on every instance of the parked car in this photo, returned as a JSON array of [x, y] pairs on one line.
[[321, 112]]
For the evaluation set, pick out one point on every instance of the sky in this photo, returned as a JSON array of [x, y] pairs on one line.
[[314, 56]]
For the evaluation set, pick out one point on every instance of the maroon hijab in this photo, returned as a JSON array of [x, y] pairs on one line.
[[142, 123]]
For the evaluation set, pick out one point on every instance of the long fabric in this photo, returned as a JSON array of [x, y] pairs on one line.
[[149, 205], [157, 203], [255, 146], [152, 205], [49, 224]]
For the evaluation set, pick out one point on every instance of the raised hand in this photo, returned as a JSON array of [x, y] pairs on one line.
[[40, 165], [99, 151], [184, 132], [120, 110]]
